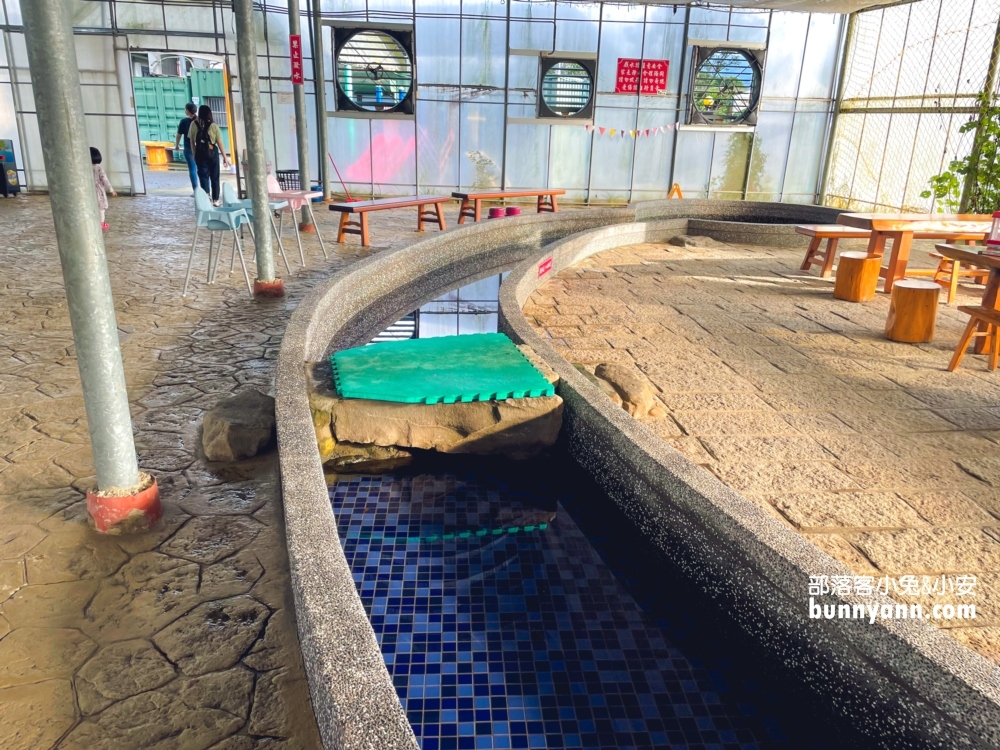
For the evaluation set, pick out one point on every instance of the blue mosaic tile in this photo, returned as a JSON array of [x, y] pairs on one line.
[[503, 627]]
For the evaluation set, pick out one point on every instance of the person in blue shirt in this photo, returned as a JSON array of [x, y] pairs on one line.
[[182, 131]]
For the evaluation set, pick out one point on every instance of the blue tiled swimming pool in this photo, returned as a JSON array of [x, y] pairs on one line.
[[504, 626]]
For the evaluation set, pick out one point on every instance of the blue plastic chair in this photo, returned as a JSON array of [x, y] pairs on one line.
[[231, 200], [217, 219]]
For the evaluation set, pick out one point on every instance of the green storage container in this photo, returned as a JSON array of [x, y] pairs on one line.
[[159, 106]]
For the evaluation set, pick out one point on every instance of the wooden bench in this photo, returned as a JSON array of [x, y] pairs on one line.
[[833, 233], [475, 210], [363, 208]]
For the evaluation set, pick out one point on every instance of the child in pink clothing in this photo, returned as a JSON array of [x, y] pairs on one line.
[[101, 184]]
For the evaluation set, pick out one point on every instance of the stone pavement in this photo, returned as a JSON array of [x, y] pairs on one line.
[[183, 637], [868, 448]]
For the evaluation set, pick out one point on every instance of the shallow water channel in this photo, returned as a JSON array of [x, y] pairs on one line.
[[516, 607]]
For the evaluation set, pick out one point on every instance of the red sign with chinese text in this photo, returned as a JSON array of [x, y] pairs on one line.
[[646, 77], [544, 267], [295, 45]]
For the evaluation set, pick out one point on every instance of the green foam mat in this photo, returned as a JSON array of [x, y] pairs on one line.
[[448, 369]]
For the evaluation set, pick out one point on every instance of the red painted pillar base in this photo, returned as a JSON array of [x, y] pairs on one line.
[[307, 228], [274, 288], [126, 514]]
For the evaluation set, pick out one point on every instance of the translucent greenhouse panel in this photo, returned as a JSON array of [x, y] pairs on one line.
[[770, 149], [805, 157], [693, 168], [729, 165], [611, 165], [342, 6], [482, 145], [13, 11], [8, 125], [284, 150], [748, 25], [579, 12], [576, 36], [666, 42], [144, 16], [532, 34], [88, 13], [483, 52], [433, 325], [844, 159], [653, 153], [393, 154], [536, 9], [819, 66], [478, 323], [946, 72], [617, 40], [784, 60], [937, 142], [523, 75], [34, 160], [437, 62], [569, 158], [437, 138], [527, 156], [350, 146], [896, 159], [487, 289], [870, 156], [634, 14], [494, 8], [392, 11], [198, 18]]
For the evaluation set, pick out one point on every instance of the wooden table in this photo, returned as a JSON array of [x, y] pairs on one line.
[[363, 208], [156, 153], [900, 228], [475, 211], [991, 297]]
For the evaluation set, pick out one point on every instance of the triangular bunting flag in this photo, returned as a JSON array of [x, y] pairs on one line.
[[611, 132], [647, 132], [631, 134], [601, 130]]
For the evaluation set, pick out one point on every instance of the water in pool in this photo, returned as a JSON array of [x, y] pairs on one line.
[[517, 608]]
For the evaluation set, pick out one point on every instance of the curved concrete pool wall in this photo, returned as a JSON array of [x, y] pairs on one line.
[[352, 695], [739, 222], [905, 682]]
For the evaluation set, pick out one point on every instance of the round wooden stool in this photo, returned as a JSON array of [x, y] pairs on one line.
[[857, 277], [913, 311]]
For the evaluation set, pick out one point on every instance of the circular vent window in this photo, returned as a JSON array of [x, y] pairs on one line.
[[726, 86], [566, 88], [374, 71]]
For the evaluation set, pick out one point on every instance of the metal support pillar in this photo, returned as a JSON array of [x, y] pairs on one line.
[[56, 84], [320, 75], [301, 129], [246, 50], [831, 135]]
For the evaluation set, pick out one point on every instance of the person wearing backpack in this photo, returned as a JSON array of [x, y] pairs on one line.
[[190, 113], [206, 138]]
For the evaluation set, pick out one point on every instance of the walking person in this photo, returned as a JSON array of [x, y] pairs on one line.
[[207, 140], [190, 113], [102, 185]]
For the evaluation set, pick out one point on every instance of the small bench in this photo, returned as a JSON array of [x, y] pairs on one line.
[[363, 208], [833, 233], [475, 210]]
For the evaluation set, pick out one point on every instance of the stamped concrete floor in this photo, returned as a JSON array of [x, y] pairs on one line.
[[183, 637], [868, 448]]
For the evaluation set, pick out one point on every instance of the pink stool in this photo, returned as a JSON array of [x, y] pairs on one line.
[[496, 213], [513, 211]]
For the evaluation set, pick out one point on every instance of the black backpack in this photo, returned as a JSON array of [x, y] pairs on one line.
[[202, 145]]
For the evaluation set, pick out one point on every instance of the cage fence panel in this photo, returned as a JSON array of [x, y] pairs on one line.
[[913, 78]]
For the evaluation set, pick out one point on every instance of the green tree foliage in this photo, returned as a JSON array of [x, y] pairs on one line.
[[972, 184]]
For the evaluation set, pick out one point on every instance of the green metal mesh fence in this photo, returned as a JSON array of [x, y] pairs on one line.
[[912, 78]]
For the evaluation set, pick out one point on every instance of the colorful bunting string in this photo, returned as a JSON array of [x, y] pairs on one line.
[[622, 133]]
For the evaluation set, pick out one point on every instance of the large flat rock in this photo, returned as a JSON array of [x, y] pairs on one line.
[[515, 428]]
